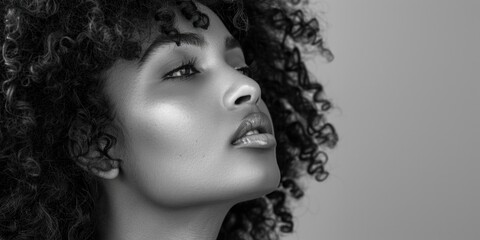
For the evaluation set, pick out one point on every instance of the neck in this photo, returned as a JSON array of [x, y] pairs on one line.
[[126, 215]]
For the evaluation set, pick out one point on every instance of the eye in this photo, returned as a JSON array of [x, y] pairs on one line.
[[183, 71], [248, 70], [245, 71]]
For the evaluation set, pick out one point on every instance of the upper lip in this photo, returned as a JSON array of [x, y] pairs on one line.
[[254, 121]]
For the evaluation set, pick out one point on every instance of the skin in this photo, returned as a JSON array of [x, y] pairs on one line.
[[180, 174]]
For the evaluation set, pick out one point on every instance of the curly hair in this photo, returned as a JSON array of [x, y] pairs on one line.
[[53, 109]]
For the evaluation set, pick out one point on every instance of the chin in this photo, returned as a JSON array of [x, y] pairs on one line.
[[259, 185]]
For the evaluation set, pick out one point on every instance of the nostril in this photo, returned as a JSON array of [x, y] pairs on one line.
[[242, 99]]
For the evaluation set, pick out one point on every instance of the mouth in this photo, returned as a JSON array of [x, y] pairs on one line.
[[255, 131]]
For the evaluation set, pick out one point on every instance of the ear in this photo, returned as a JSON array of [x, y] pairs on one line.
[[103, 168], [94, 162]]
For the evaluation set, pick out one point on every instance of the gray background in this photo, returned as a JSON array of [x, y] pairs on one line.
[[406, 88]]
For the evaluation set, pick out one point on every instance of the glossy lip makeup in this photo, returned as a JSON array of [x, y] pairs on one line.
[[255, 131]]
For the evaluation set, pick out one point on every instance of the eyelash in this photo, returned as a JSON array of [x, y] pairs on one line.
[[190, 65]]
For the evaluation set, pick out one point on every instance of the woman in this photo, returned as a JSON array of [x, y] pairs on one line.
[[152, 119]]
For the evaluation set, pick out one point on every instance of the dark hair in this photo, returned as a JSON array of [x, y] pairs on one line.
[[53, 110]]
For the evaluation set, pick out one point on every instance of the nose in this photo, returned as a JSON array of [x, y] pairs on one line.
[[243, 92]]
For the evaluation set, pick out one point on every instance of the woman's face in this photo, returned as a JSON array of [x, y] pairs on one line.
[[177, 124]]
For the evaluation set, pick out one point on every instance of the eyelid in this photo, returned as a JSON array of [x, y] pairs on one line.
[[189, 63], [246, 70], [251, 68]]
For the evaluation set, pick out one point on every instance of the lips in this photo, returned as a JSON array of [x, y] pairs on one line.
[[255, 131]]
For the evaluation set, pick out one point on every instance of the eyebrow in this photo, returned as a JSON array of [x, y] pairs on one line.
[[192, 39]]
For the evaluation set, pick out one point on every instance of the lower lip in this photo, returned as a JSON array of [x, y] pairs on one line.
[[263, 140]]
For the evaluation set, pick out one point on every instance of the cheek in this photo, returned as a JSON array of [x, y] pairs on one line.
[[157, 139], [166, 155]]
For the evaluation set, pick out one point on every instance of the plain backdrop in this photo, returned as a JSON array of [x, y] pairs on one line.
[[406, 87]]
